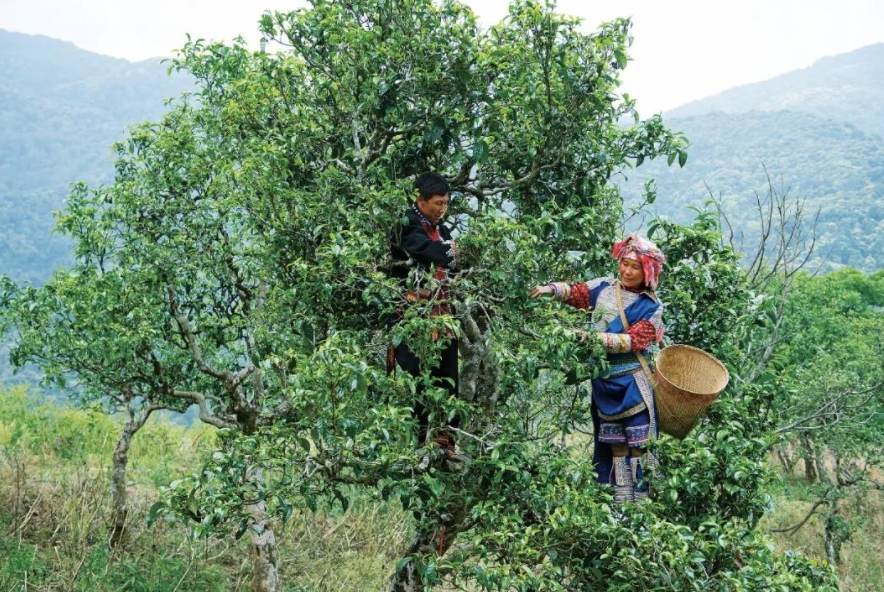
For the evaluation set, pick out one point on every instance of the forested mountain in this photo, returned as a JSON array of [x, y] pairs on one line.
[[818, 133], [818, 129], [61, 108], [836, 167], [846, 88]]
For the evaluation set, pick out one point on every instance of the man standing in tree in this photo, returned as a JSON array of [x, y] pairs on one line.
[[423, 242]]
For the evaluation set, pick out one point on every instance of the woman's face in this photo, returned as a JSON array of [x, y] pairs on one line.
[[631, 273]]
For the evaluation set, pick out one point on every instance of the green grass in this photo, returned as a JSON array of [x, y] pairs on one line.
[[54, 504], [862, 556]]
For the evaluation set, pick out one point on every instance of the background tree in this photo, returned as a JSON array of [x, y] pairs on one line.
[[831, 393], [89, 331]]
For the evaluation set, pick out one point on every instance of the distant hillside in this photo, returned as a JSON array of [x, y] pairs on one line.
[[848, 88], [837, 167], [819, 130], [61, 108], [47, 63]]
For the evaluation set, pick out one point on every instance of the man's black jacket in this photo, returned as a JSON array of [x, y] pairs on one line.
[[414, 240]]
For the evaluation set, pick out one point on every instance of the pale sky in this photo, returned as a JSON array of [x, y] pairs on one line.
[[684, 49]]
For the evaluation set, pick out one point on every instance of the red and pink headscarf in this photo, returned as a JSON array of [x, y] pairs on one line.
[[645, 252]]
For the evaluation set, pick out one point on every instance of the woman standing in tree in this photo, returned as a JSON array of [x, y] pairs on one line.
[[623, 407]]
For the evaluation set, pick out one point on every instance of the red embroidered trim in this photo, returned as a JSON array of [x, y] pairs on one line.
[[433, 233], [642, 334], [579, 296]]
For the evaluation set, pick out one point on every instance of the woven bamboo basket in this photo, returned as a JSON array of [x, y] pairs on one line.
[[688, 380]]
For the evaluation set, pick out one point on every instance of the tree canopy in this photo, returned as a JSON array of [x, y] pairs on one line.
[[240, 260]]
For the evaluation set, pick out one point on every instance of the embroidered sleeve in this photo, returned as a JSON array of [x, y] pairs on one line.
[[560, 290], [642, 334], [638, 337], [418, 244], [578, 296], [616, 343]]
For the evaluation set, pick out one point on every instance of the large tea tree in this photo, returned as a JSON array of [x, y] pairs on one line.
[[255, 219]]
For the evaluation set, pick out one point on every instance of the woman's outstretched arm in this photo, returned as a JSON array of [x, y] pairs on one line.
[[577, 295]]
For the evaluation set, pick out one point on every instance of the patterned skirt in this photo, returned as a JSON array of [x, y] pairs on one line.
[[635, 431]]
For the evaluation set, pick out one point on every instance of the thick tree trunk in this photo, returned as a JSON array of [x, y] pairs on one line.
[[832, 539], [811, 463], [438, 541], [119, 495], [810, 472], [787, 458], [478, 384], [265, 560], [821, 472], [135, 420], [407, 579]]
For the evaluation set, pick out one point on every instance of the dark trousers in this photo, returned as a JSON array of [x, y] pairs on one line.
[[444, 375]]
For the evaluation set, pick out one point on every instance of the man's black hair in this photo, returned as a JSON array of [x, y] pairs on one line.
[[430, 184]]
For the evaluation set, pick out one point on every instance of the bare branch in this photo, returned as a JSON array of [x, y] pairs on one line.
[[187, 333], [795, 527], [206, 416], [830, 407], [722, 217]]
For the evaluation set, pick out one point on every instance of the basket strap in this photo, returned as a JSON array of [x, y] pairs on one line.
[[638, 354], [620, 305]]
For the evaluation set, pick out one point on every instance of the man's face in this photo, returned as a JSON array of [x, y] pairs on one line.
[[434, 208]]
